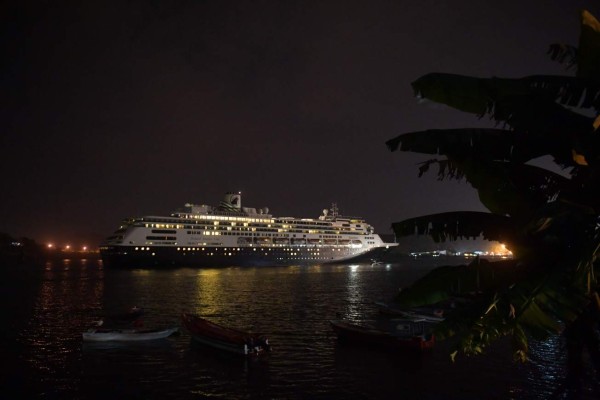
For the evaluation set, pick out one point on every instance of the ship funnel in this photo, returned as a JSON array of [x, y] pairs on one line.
[[232, 201]]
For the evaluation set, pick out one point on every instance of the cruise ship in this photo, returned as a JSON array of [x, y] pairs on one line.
[[232, 235]]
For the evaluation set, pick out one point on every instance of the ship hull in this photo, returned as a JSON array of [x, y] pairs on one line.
[[209, 257]]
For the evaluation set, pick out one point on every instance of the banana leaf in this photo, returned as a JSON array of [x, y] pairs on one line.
[[504, 298], [480, 95], [504, 188], [512, 189], [545, 302], [494, 144], [561, 231], [550, 222]]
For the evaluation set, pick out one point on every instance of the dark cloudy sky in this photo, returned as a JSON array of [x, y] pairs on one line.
[[118, 108]]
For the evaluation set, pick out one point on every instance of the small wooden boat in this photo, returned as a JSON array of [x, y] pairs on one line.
[[126, 335], [426, 314], [400, 335], [220, 337]]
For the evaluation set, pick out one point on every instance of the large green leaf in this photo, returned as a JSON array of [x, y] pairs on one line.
[[502, 298], [538, 323], [543, 302]]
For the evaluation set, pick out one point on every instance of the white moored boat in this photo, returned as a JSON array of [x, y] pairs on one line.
[[126, 335], [232, 235]]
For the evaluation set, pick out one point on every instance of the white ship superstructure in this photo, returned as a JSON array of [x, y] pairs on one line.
[[229, 234]]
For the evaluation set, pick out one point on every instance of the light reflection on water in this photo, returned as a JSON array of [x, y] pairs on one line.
[[293, 305]]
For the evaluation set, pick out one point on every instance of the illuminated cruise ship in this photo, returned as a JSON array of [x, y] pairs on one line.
[[232, 235]]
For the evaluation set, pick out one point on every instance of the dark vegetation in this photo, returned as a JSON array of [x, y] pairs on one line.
[[549, 221]]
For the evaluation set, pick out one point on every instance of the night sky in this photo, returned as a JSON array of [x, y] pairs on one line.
[[124, 108]]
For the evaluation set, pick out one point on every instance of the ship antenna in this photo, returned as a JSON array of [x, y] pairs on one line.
[[334, 210]]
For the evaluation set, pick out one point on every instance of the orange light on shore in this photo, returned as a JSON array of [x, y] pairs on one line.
[[50, 246], [502, 250], [84, 248]]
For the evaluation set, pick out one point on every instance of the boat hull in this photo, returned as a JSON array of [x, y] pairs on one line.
[[361, 335], [222, 338], [169, 257], [421, 315], [126, 335]]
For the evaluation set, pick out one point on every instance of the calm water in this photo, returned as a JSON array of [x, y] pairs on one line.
[[48, 308]]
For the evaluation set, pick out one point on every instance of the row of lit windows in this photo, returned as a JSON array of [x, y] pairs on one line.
[[225, 218], [276, 242], [292, 252], [231, 251], [253, 229], [269, 244], [165, 226], [241, 231], [264, 223], [171, 222], [225, 249]]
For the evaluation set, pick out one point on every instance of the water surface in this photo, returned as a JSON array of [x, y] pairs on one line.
[[292, 305]]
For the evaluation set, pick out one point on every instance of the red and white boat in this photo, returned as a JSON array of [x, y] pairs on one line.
[[223, 338]]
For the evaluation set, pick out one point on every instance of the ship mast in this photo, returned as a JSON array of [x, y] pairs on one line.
[[334, 210]]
